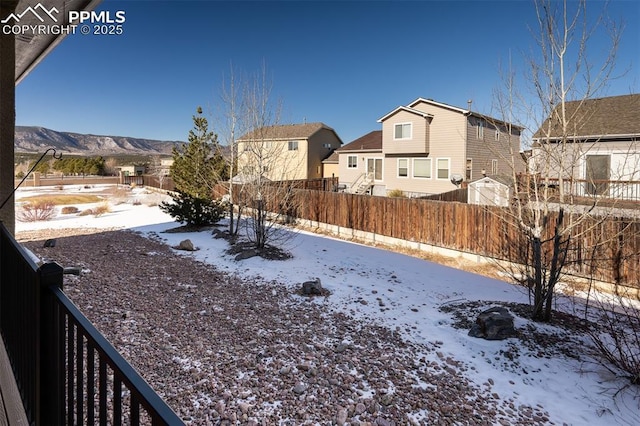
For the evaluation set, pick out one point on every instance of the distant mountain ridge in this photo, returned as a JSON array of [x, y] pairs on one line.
[[33, 139]]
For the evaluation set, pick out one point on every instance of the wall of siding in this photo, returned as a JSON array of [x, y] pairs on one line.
[[346, 175], [447, 134], [483, 150], [419, 142], [317, 152]]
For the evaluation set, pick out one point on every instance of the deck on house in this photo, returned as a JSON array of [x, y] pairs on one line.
[[11, 409]]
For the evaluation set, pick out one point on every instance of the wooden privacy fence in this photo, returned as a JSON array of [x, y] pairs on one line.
[[607, 249]]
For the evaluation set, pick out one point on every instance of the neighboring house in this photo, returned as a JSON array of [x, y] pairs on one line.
[[600, 145], [330, 165], [286, 152], [132, 170], [428, 148], [358, 157]]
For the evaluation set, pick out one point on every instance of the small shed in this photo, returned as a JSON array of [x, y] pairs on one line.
[[490, 191]]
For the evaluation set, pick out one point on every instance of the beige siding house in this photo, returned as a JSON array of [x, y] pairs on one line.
[[286, 152], [425, 147], [601, 150]]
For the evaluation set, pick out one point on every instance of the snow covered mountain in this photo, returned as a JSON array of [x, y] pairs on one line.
[[31, 139]]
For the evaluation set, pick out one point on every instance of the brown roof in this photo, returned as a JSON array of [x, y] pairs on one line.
[[331, 158], [615, 115], [287, 131], [372, 141]]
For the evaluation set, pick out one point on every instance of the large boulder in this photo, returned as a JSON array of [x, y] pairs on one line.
[[494, 324]]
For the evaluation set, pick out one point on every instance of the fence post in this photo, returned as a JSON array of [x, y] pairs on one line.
[[50, 381]]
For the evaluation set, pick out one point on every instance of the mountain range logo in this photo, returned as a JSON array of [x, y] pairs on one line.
[[34, 11]]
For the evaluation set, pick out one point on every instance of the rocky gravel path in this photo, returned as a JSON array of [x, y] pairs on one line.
[[221, 350]]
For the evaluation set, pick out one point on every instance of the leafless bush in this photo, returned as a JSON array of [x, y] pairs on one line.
[[617, 339], [36, 211]]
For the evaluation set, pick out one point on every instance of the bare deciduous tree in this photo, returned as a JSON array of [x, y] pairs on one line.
[[261, 164], [563, 78]]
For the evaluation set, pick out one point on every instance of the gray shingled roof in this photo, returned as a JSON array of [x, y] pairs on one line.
[[287, 131], [372, 141], [615, 115]]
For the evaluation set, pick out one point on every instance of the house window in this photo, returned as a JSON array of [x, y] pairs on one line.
[[494, 167], [480, 129], [402, 131], [352, 161], [469, 171], [326, 145], [422, 168], [442, 165], [497, 134], [293, 145], [403, 167]]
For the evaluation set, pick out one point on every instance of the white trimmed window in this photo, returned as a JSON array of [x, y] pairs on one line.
[[422, 168], [497, 134], [326, 145], [442, 165], [402, 131], [494, 167], [293, 145], [480, 130], [469, 172], [352, 162], [403, 167]]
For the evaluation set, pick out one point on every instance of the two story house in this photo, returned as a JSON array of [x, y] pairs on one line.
[[286, 152], [429, 147], [599, 149]]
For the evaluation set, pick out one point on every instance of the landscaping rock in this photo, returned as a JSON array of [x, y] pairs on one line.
[[494, 324], [247, 254], [312, 288], [186, 245]]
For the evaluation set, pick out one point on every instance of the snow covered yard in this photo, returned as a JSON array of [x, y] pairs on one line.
[[228, 341]]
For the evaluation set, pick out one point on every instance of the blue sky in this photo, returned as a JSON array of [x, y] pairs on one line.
[[343, 63]]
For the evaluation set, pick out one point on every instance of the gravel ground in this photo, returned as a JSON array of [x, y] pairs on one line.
[[220, 350]]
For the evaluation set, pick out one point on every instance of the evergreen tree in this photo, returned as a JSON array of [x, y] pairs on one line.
[[198, 165]]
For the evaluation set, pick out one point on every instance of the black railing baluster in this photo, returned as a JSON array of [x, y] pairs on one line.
[[102, 390], [79, 377], [91, 373], [135, 411], [70, 375], [117, 400]]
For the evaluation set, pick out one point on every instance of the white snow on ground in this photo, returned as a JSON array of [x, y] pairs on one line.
[[400, 292]]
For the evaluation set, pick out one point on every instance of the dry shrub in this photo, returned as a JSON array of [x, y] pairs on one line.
[[136, 202], [396, 193], [101, 209], [59, 187], [87, 212], [36, 211], [69, 210]]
